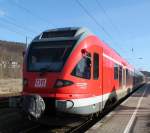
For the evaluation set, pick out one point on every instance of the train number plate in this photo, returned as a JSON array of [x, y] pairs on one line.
[[40, 83]]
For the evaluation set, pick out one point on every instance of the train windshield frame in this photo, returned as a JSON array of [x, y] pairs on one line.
[[49, 56]]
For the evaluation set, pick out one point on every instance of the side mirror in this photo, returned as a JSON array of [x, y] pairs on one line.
[[84, 51], [87, 55]]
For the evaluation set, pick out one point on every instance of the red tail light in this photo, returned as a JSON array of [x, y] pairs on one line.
[[62, 83]]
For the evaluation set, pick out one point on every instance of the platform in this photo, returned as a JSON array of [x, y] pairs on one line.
[[132, 116]]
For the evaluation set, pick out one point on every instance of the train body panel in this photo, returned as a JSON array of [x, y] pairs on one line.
[[77, 70]]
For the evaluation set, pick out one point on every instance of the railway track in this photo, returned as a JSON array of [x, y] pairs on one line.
[[31, 129], [64, 124], [54, 124], [54, 129], [75, 125], [12, 121], [72, 127], [4, 102], [61, 124]]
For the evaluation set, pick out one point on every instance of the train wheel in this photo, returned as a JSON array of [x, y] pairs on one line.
[[91, 117], [97, 114], [110, 102]]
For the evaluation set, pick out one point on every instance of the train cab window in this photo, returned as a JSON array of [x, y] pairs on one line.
[[49, 56], [96, 66], [116, 68], [83, 67]]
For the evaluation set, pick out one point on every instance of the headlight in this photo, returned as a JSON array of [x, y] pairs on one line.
[[62, 83]]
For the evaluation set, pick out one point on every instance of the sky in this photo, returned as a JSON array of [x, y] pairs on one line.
[[124, 25]]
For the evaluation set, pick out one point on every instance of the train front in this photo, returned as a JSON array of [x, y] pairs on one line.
[[49, 68]]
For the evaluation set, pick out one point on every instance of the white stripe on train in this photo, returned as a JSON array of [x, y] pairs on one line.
[[92, 100], [112, 59]]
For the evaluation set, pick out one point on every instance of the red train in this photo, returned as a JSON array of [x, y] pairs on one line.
[[71, 70]]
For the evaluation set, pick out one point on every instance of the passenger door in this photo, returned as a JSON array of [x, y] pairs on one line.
[[97, 74]]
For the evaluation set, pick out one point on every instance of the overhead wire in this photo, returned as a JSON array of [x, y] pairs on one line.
[[21, 25], [93, 18], [38, 17], [99, 25], [111, 22], [8, 21], [12, 21], [15, 31], [108, 17]]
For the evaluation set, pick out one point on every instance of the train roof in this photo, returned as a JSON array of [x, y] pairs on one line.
[[63, 33]]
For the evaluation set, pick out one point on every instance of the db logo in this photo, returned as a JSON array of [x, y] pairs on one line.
[[40, 83]]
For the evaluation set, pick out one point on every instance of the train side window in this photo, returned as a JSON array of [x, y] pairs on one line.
[[83, 67], [127, 76], [116, 68], [96, 66], [120, 76]]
